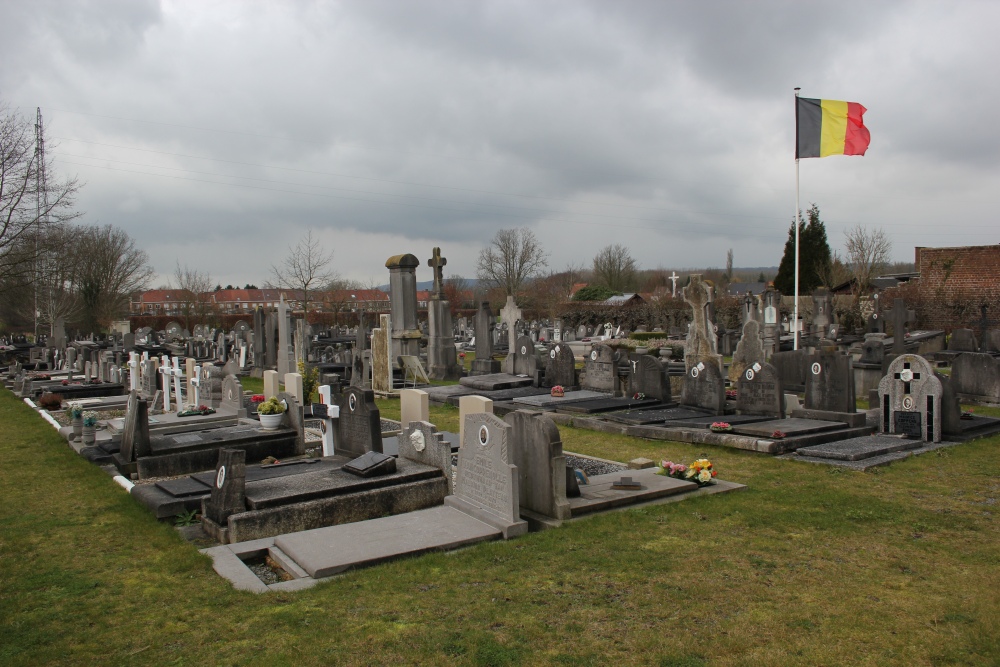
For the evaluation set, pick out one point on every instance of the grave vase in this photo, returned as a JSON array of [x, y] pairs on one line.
[[77, 424], [88, 434], [270, 422]]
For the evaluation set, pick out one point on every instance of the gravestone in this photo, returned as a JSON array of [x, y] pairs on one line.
[[470, 405], [135, 434], [359, 428], [284, 351], [228, 495], [420, 441], [749, 351], [600, 370], [962, 340], [870, 368], [704, 388], [822, 311], [648, 375], [560, 367], [536, 450], [830, 383], [359, 373], [271, 384], [976, 377], [381, 359], [910, 399], [403, 305], [485, 323], [791, 367], [701, 344], [271, 339], [442, 358], [510, 314], [414, 406], [525, 361], [486, 484], [900, 317], [258, 336], [232, 394], [759, 391]]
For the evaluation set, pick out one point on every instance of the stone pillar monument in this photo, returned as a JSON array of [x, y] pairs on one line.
[[442, 358], [403, 305]]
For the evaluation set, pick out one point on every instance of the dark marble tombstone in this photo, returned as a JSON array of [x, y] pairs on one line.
[[485, 324], [648, 376], [976, 376], [560, 367], [600, 369], [704, 388], [135, 434], [359, 429], [830, 383], [759, 391], [229, 488], [791, 367]]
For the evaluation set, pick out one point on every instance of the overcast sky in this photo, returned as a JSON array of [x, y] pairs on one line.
[[219, 133]]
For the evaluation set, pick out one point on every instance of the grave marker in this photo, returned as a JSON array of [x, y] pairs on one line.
[[759, 391], [359, 428]]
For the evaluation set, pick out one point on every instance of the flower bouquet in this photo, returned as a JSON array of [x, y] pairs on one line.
[[778, 435], [730, 394], [558, 390], [700, 472], [968, 414], [638, 396], [196, 410], [720, 427], [89, 418]]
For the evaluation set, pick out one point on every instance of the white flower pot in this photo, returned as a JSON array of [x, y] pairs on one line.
[[270, 422]]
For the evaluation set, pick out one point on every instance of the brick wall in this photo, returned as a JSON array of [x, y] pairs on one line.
[[954, 283]]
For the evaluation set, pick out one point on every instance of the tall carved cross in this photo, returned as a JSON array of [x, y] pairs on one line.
[[900, 318], [510, 314], [673, 279], [437, 263], [984, 323], [702, 335]]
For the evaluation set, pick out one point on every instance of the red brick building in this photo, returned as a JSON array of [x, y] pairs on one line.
[[955, 282]]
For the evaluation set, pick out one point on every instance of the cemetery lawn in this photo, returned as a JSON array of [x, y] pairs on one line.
[[810, 565]]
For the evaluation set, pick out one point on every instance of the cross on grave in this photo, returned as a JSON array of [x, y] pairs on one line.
[[906, 376], [196, 383], [164, 370], [984, 325], [437, 263], [510, 314], [900, 318], [327, 411], [673, 279], [176, 373]]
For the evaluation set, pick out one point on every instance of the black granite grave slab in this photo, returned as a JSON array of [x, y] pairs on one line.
[[185, 486], [371, 464], [653, 415], [71, 391], [856, 449], [790, 427], [309, 486], [495, 381], [186, 453], [605, 405], [511, 394], [705, 421]]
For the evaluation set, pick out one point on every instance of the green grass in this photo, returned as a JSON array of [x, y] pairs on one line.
[[809, 566]]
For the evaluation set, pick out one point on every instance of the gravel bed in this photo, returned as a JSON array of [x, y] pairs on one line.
[[592, 467], [390, 425], [264, 573]]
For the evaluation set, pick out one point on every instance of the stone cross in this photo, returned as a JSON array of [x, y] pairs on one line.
[[328, 424], [195, 382], [175, 373], [673, 279], [510, 314], [133, 371], [437, 263], [900, 318], [164, 370], [984, 324]]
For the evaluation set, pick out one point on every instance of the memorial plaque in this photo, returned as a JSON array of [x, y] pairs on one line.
[[908, 424], [359, 428]]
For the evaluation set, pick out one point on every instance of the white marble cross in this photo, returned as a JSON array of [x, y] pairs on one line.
[[133, 371], [327, 423], [673, 279], [196, 383], [176, 373], [164, 370]]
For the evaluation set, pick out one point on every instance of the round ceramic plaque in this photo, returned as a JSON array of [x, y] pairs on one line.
[[694, 372], [907, 402], [484, 435], [906, 375], [593, 355], [220, 477], [352, 402], [749, 374], [552, 354], [816, 369]]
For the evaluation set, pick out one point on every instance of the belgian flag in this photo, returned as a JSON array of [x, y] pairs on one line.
[[829, 127]]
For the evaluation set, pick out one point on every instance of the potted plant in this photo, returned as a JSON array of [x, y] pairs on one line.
[[269, 412], [76, 417], [89, 427]]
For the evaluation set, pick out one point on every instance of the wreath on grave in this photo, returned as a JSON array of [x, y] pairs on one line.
[[638, 396], [778, 435], [199, 410], [701, 472], [720, 427]]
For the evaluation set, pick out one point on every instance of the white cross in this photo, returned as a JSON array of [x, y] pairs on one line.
[[133, 371], [673, 278], [332, 413], [176, 373], [196, 382], [165, 372]]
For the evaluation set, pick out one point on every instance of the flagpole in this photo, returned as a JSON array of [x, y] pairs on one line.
[[795, 310]]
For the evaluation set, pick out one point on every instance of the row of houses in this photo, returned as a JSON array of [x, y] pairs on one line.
[[236, 301]]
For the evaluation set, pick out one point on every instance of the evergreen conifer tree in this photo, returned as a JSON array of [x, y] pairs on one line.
[[814, 255]]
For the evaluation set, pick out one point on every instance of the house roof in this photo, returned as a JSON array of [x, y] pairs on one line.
[[622, 299], [754, 288]]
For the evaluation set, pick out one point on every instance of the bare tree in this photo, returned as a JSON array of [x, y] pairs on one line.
[[28, 202], [615, 268], [833, 273], [511, 259], [868, 252], [306, 268], [111, 269], [195, 289], [729, 266]]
